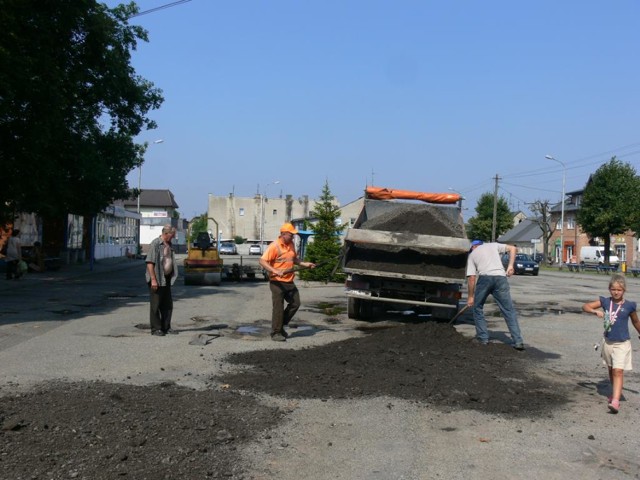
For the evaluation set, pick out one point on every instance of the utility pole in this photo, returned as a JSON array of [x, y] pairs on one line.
[[495, 209]]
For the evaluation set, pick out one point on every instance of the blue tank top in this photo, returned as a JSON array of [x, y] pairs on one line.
[[618, 330]]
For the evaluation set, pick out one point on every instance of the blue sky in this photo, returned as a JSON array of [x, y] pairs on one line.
[[417, 95]]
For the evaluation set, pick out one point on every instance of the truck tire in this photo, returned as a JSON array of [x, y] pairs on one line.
[[353, 308], [358, 309]]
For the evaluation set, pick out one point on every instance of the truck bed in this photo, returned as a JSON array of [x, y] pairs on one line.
[[410, 241]]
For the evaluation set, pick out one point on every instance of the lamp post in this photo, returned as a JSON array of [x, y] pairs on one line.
[[155, 142], [160, 140], [262, 215], [564, 175]]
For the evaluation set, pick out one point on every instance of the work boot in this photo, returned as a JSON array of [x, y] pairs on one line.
[[519, 346], [278, 337]]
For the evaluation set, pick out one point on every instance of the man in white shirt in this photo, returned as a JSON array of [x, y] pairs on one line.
[[486, 275]]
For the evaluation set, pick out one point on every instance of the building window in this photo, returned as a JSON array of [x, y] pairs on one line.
[[275, 212], [241, 212], [570, 223]]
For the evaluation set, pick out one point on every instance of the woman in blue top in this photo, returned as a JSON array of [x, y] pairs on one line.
[[616, 344]]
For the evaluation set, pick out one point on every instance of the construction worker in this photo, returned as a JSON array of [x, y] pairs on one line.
[[279, 260]]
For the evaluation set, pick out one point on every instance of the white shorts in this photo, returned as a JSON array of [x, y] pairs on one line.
[[616, 354]]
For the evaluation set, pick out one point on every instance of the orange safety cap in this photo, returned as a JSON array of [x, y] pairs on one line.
[[288, 227]]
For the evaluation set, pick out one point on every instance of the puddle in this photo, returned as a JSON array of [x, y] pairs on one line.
[[251, 330], [263, 331]]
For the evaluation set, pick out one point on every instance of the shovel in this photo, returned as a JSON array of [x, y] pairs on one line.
[[460, 312]]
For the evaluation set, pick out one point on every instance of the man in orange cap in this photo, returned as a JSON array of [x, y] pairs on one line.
[[279, 260]]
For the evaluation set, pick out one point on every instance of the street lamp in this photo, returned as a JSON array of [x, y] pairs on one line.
[[564, 175], [155, 142], [262, 214]]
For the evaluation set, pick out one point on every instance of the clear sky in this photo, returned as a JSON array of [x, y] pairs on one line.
[[416, 95]]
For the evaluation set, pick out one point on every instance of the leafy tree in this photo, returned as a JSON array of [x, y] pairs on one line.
[[611, 202], [542, 209], [481, 226], [198, 225], [239, 240], [326, 244], [70, 105]]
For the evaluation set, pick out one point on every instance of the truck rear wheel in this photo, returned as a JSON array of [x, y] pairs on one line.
[[353, 308], [359, 309]]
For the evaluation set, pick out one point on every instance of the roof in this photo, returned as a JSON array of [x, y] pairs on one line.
[[525, 231], [152, 198]]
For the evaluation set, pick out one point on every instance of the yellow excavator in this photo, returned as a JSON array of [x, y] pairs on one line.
[[203, 265]]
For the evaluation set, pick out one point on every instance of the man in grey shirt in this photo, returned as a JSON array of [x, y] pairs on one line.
[[486, 275], [161, 273]]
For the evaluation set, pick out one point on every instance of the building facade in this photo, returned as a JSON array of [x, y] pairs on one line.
[[625, 244], [256, 218], [157, 208]]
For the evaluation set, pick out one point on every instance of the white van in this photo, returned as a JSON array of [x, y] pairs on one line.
[[595, 256]]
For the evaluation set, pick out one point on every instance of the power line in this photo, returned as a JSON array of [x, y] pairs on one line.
[[579, 163], [161, 7]]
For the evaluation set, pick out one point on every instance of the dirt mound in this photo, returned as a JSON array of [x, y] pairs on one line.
[[414, 218], [426, 362], [101, 431]]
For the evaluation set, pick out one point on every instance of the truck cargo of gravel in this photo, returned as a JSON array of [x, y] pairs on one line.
[[406, 249]]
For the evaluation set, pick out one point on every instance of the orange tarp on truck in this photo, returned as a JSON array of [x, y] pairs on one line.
[[381, 193]]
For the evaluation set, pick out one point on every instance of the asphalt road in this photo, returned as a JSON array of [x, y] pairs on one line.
[[85, 325]]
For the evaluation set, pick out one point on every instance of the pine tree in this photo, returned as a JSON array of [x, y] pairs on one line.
[[326, 245]]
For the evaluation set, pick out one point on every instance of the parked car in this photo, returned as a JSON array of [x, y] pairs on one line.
[[228, 248], [522, 265], [255, 250]]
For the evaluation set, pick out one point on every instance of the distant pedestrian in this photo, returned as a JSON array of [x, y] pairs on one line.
[[278, 260], [14, 256], [615, 312], [486, 275], [161, 273]]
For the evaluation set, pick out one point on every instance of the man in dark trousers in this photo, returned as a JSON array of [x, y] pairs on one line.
[[486, 276], [279, 259], [161, 273]]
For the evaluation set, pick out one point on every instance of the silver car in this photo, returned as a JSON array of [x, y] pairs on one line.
[[255, 249], [228, 248]]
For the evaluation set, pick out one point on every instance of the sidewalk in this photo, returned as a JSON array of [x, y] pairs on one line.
[[39, 280]]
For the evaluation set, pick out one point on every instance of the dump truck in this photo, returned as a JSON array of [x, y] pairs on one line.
[[203, 265], [406, 250]]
